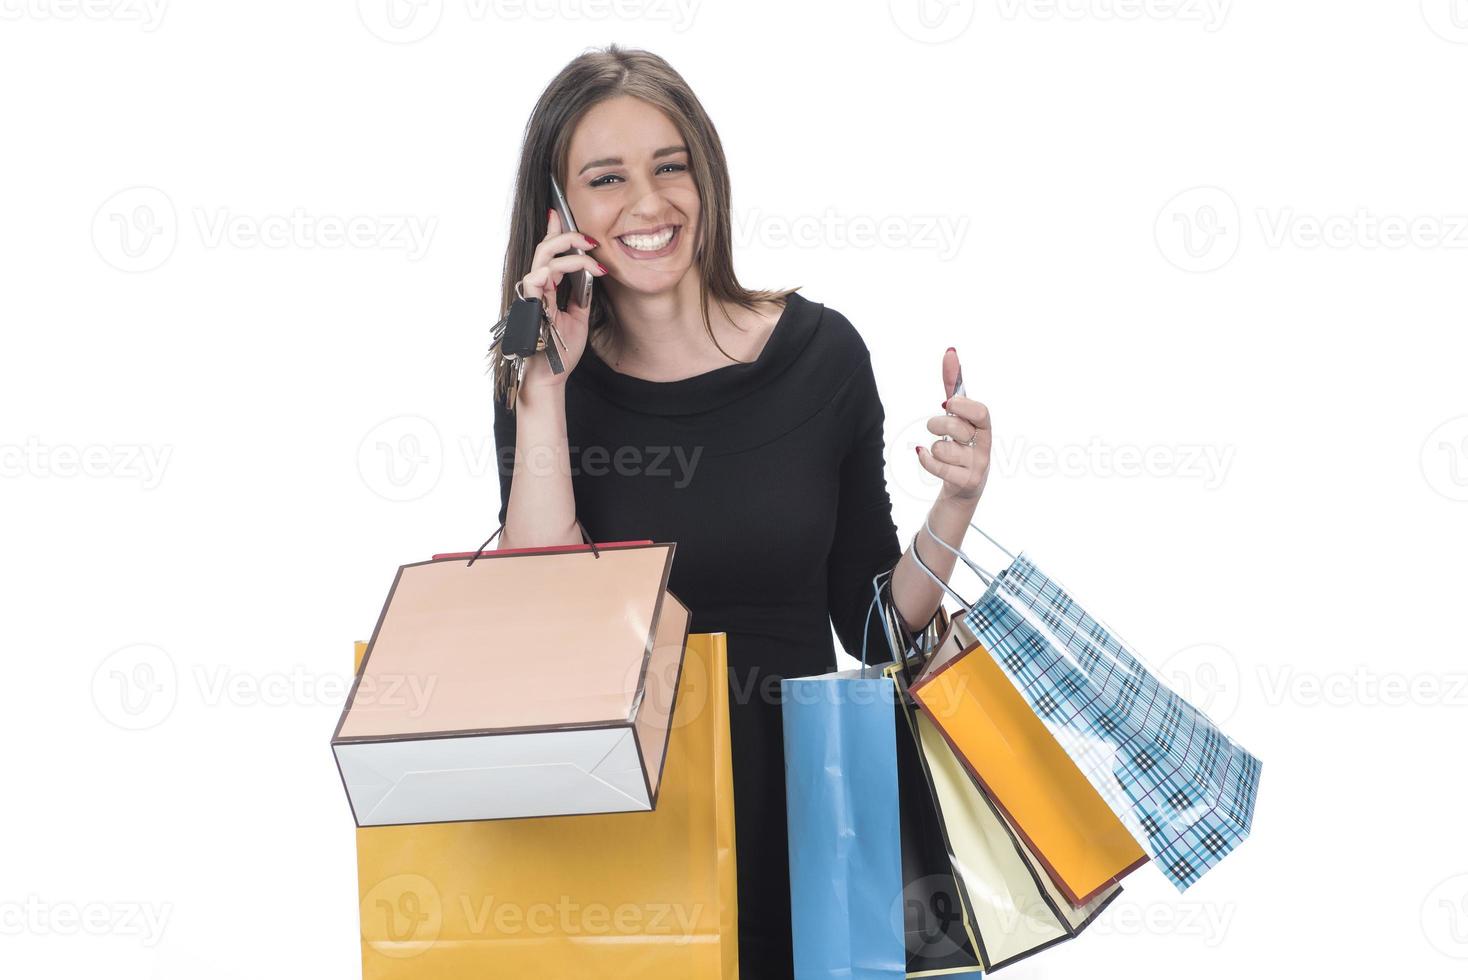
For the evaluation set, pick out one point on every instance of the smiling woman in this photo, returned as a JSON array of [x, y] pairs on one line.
[[765, 401], [643, 172]]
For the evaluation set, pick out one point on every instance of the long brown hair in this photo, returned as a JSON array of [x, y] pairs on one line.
[[591, 78]]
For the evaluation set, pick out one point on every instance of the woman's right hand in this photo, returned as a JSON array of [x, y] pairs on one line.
[[547, 271]]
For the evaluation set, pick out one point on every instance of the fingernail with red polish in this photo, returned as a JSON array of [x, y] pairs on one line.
[[601, 267], [593, 241], [953, 350], [945, 404], [918, 450]]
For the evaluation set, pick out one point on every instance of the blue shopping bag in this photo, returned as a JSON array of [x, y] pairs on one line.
[[872, 888], [844, 826], [1183, 789]]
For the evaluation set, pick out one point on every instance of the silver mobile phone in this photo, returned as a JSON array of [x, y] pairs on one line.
[[575, 288]]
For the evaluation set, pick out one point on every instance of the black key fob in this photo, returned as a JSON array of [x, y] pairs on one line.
[[522, 331]]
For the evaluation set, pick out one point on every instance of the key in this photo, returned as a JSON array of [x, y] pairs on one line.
[[524, 332]]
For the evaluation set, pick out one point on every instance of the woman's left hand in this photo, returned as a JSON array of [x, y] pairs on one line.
[[962, 460]]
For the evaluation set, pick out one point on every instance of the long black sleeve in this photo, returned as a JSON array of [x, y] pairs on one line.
[[866, 542]]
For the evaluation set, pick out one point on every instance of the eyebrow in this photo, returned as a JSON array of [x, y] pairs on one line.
[[617, 161]]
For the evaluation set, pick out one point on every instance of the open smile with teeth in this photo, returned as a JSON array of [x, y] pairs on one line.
[[648, 244]]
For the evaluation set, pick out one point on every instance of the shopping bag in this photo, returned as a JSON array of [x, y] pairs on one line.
[[1009, 907], [1182, 788], [1063, 821], [850, 881], [515, 683], [621, 896], [879, 888]]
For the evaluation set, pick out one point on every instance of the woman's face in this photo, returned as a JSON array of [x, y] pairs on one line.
[[629, 187]]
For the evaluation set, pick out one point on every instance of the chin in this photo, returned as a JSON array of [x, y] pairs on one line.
[[651, 283]]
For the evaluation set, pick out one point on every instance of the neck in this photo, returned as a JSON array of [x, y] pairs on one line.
[[661, 334]]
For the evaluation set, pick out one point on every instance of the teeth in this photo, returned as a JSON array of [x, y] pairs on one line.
[[648, 243]]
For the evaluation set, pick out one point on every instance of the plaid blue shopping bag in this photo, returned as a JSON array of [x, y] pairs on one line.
[[1183, 788]]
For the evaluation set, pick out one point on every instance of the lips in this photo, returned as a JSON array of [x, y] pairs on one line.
[[650, 243]]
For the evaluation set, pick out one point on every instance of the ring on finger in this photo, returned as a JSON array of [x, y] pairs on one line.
[[970, 444]]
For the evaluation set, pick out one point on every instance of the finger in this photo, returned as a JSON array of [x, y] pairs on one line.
[[574, 263], [952, 426], [956, 454], [549, 276], [553, 245], [975, 413], [948, 472], [544, 280], [950, 372]]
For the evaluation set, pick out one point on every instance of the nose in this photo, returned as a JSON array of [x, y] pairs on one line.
[[648, 205]]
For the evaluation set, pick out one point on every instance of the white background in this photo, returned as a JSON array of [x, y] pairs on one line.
[[1204, 260]]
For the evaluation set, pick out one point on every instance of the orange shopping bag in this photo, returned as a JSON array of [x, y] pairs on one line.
[[1010, 753], [623, 895]]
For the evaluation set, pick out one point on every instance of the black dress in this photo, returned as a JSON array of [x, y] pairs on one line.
[[769, 476]]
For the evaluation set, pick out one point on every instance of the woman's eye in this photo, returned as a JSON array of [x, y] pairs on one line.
[[605, 179]]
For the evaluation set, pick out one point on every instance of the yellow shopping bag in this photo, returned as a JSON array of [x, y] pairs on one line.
[[645, 895]]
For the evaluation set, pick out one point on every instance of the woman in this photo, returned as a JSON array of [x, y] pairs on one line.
[[743, 424]]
